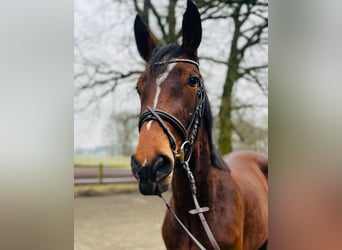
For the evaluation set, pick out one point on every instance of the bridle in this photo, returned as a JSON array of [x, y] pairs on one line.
[[188, 136]]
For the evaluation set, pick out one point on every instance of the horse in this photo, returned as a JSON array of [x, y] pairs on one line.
[[175, 148]]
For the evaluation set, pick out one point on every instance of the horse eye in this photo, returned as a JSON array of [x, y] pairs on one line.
[[193, 81]]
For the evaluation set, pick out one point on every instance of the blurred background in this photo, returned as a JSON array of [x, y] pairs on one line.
[[234, 64], [39, 92]]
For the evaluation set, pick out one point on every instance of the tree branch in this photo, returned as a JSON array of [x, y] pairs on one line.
[[241, 137], [244, 71], [253, 39], [97, 98], [248, 106], [118, 76], [254, 79], [213, 60], [159, 21]]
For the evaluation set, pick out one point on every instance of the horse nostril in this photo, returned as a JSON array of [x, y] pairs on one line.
[[135, 166], [162, 166]]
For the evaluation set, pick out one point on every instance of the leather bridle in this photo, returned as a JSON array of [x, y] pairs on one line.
[[187, 135], [183, 155]]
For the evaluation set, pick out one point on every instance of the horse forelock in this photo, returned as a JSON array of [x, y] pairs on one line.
[[159, 53], [169, 51]]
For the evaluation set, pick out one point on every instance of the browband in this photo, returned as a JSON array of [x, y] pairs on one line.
[[178, 60]]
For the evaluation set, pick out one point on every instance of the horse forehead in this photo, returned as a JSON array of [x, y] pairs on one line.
[[162, 76], [174, 70], [159, 80]]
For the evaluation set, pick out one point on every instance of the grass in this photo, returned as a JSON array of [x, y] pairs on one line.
[[108, 161], [104, 189]]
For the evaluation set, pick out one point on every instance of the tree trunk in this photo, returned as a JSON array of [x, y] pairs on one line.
[[225, 136], [171, 19], [145, 14]]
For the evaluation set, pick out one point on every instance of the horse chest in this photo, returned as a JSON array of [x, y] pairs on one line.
[[223, 228]]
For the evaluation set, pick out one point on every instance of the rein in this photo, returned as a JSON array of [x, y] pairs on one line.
[[188, 137], [198, 210]]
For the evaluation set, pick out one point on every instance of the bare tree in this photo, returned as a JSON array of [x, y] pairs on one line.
[[250, 31], [120, 131], [99, 74], [243, 52]]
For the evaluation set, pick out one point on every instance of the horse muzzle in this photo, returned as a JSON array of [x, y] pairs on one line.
[[153, 178]]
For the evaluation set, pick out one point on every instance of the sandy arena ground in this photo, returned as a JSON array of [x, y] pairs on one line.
[[123, 221]]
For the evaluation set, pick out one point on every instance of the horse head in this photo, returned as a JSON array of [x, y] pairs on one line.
[[169, 91]]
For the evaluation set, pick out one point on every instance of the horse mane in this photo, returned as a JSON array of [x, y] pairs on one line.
[[174, 50], [215, 157]]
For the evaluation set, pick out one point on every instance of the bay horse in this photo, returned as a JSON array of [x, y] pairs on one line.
[[175, 146]]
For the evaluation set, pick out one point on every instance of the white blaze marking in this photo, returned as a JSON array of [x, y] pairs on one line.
[[148, 125], [160, 79]]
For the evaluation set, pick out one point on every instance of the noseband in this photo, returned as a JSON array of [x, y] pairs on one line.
[[188, 135]]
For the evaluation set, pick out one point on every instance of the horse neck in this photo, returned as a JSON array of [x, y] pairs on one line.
[[200, 165]]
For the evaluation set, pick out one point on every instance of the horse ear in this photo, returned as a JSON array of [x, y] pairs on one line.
[[191, 29], [143, 38]]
